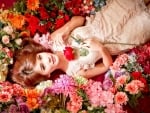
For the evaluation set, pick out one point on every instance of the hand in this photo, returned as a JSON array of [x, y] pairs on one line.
[[82, 72]]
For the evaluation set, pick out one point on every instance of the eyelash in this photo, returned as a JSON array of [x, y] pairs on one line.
[[42, 67], [39, 57]]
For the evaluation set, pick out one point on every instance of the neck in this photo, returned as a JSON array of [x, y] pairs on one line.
[[63, 63]]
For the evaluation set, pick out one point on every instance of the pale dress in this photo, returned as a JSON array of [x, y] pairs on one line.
[[120, 25]]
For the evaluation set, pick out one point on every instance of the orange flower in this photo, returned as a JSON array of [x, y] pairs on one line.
[[33, 4], [32, 98], [16, 20]]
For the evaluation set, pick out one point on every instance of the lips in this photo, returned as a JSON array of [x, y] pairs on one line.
[[53, 59]]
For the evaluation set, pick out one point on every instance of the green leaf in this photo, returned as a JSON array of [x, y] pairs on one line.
[[83, 52], [1, 25], [2, 55]]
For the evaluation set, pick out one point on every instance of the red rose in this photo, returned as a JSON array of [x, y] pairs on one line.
[[136, 75], [67, 18], [68, 4], [53, 14], [42, 28], [33, 23], [69, 53], [59, 23], [76, 11], [43, 13]]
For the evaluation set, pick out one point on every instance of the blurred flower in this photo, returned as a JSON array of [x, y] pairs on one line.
[[33, 4], [69, 53], [5, 39], [17, 20], [121, 98], [32, 96]]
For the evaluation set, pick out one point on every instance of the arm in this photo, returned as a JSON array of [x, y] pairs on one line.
[[65, 30], [100, 67]]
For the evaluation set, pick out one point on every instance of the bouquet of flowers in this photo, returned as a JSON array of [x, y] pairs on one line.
[[128, 76], [44, 16], [65, 95], [9, 42], [125, 83]]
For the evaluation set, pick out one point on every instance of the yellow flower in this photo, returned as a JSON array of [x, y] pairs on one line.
[[33, 4]]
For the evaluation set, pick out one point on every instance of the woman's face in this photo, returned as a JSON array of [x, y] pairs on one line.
[[46, 63]]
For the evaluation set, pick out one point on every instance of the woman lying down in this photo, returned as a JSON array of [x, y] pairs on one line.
[[84, 46]]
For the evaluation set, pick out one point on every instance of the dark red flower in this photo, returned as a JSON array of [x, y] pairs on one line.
[[59, 23], [53, 14], [147, 67], [42, 29], [69, 53], [68, 5], [136, 75], [43, 13], [76, 11], [143, 80], [67, 18], [33, 23]]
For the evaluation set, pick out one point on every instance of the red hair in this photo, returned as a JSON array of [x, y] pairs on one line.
[[24, 62]]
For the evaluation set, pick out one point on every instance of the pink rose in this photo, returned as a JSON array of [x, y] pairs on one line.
[[5, 39]]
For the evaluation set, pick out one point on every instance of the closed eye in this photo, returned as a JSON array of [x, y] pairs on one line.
[[42, 66]]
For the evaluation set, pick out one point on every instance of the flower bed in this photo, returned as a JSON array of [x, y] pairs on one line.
[[127, 80]]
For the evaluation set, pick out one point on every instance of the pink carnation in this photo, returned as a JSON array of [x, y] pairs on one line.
[[132, 88], [121, 60], [139, 84], [121, 98], [120, 81], [114, 108], [75, 103], [18, 90], [5, 96]]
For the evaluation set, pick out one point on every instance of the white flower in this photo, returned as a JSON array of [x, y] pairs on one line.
[[44, 84], [18, 41], [5, 39], [8, 29]]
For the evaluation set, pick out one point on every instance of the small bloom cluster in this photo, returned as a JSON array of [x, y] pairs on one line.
[[32, 16], [16, 99], [74, 95], [127, 78], [9, 41], [143, 57]]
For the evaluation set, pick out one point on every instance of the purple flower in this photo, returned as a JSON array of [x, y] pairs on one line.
[[13, 108], [23, 108], [65, 84], [108, 83]]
